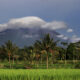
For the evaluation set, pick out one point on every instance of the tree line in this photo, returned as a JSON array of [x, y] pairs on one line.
[[42, 50]]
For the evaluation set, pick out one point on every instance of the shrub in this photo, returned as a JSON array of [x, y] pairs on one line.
[[77, 66]]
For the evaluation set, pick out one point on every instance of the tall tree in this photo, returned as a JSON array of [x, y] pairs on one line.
[[9, 49], [65, 44], [3, 55], [14, 52], [31, 54], [71, 51], [45, 45], [37, 52]]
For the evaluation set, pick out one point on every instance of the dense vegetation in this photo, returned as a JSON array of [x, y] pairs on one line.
[[50, 74], [44, 52]]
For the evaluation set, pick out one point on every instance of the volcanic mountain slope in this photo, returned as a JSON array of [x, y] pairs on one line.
[[25, 36]]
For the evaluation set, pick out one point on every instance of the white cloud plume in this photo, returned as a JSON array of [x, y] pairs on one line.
[[55, 25], [62, 37], [3, 27], [70, 30], [72, 39], [30, 36], [22, 23], [32, 22], [65, 38], [36, 22], [27, 36], [75, 38]]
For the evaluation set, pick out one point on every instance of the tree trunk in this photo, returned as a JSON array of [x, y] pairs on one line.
[[65, 58], [13, 62], [41, 59], [73, 61], [32, 62], [47, 62], [10, 61], [37, 64]]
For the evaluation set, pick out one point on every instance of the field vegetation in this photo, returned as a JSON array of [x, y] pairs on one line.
[[40, 74], [46, 59], [42, 54]]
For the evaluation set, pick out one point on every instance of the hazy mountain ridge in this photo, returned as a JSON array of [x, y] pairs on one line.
[[25, 36]]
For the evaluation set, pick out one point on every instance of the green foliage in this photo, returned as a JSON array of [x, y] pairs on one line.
[[42, 51], [40, 74], [71, 51], [77, 66]]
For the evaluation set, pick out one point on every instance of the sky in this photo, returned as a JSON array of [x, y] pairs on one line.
[[55, 13]]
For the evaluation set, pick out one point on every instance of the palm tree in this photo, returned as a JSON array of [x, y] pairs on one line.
[[14, 52], [9, 49], [3, 53], [31, 54], [71, 51], [25, 53], [65, 44], [37, 52], [45, 45]]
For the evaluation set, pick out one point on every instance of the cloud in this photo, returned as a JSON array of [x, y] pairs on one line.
[[62, 37], [65, 38], [36, 22], [30, 36], [27, 36], [25, 22], [32, 22], [74, 39], [70, 30], [3, 27], [55, 25]]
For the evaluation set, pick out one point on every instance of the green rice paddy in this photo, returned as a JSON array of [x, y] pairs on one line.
[[40, 74]]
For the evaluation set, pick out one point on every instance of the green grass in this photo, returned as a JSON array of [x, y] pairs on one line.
[[22, 65], [40, 74]]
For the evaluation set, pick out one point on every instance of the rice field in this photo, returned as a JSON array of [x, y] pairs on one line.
[[40, 74]]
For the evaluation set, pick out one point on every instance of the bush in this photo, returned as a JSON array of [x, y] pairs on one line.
[[77, 66]]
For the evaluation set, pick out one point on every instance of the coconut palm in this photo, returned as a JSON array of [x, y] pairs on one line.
[[25, 53], [71, 51], [9, 49], [37, 52], [65, 44], [31, 54], [3, 53], [45, 45], [14, 52]]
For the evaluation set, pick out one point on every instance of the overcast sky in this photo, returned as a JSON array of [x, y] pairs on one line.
[[67, 11]]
